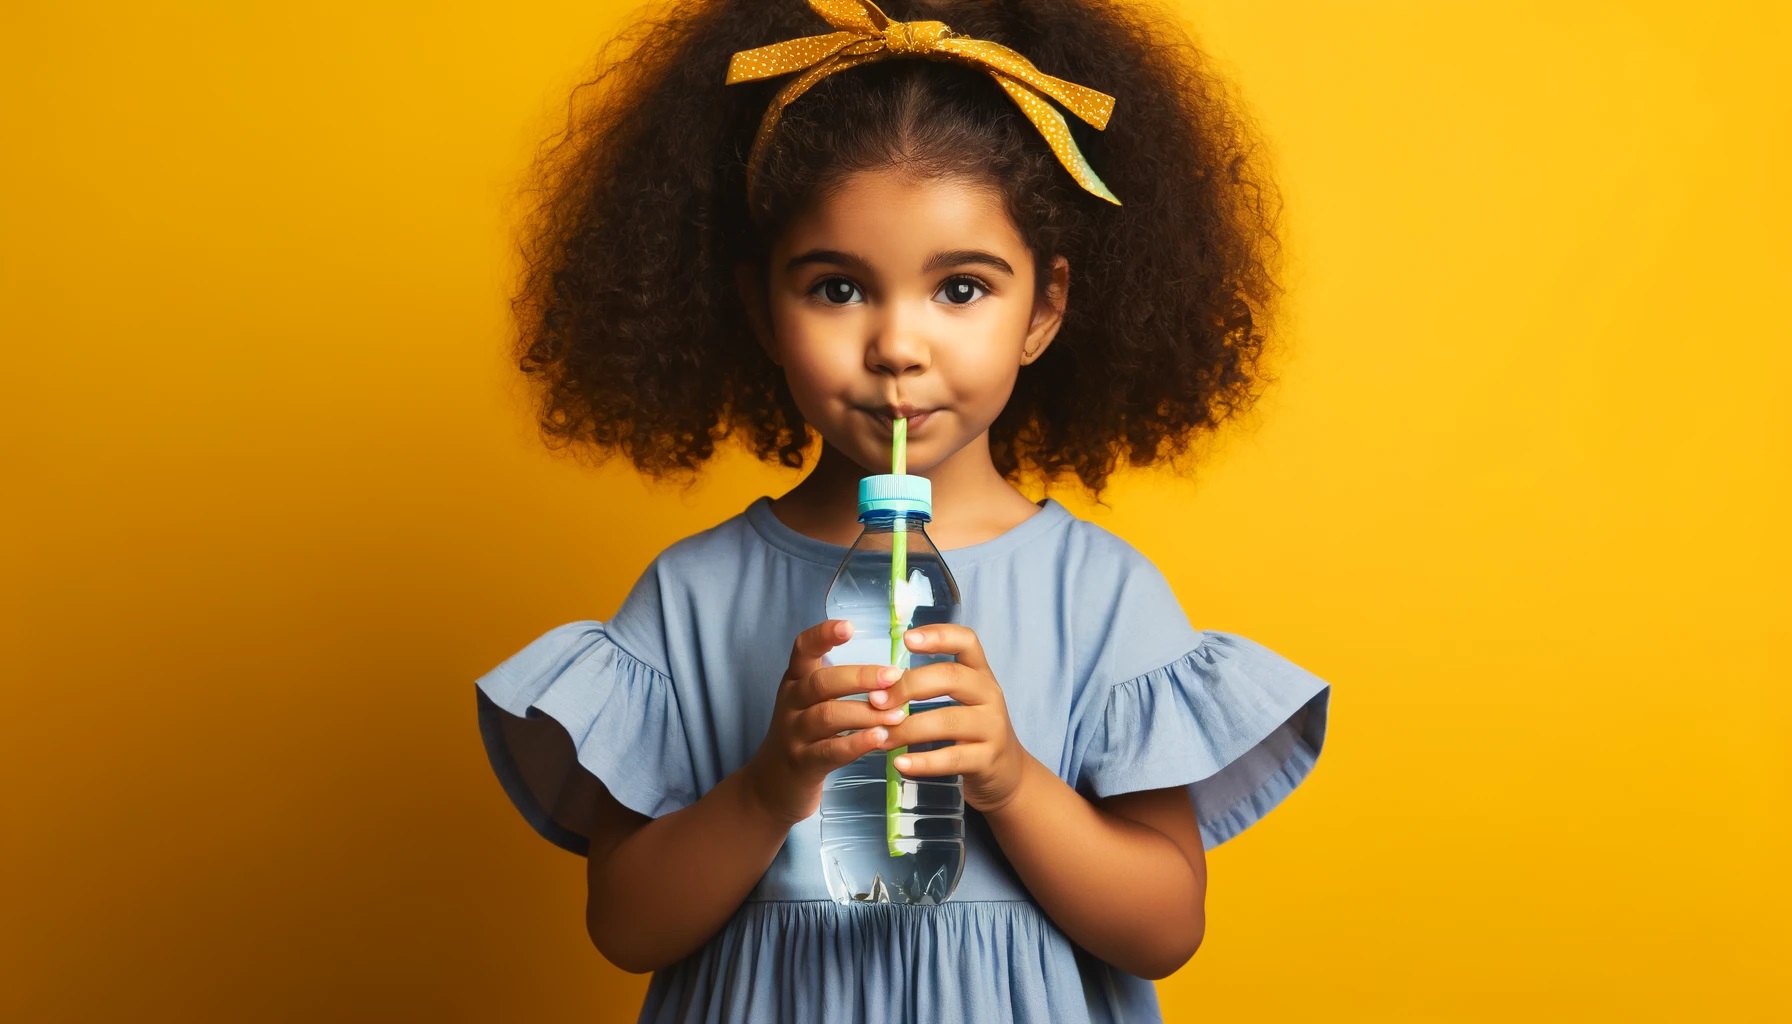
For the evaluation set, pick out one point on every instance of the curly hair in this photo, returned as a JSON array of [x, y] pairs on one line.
[[629, 317]]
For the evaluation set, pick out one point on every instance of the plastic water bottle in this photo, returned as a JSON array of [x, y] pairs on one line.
[[887, 837]]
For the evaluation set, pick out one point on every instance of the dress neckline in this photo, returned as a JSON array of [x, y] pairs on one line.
[[773, 530]]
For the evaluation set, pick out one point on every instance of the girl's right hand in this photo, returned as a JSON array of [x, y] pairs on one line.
[[803, 743]]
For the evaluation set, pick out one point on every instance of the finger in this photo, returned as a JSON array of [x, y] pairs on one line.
[[812, 643], [953, 760], [830, 754], [952, 723], [949, 638], [834, 681], [941, 679], [832, 717]]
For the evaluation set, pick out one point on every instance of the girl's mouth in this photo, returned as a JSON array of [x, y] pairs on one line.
[[914, 422]]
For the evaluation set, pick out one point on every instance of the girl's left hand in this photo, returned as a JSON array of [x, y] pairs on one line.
[[985, 750]]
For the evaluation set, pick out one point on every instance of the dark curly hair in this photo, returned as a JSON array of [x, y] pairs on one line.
[[629, 315]]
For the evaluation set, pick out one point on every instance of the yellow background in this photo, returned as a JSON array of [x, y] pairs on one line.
[[275, 502]]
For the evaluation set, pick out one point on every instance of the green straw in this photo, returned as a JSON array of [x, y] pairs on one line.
[[898, 654]]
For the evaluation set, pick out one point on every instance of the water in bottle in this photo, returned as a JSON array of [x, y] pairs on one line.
[[887, 837]]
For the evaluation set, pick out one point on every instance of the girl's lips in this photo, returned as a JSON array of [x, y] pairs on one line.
[[914, 422]]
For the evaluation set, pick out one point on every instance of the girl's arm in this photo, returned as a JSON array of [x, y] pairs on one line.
[[658, 888], [1125, 878]]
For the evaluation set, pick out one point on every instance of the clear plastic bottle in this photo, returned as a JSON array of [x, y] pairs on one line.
[[887, 837]]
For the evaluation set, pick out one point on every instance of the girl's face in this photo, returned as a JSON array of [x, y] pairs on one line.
[[893, 296]]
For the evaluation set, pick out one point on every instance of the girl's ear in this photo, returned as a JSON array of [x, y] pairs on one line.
[[1048, 312], [752, 298]]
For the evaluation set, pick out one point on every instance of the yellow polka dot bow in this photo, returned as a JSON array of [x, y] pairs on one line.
[[867, 35]]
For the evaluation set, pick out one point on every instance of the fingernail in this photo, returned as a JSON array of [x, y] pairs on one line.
[[878, 697], [843, 630], [880, 734], [888, 675], [893, 716], [917, 638]]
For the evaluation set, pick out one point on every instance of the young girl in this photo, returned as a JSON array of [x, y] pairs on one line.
[[885, 219]]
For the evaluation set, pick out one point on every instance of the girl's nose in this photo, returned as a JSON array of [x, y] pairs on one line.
[[896, 349]]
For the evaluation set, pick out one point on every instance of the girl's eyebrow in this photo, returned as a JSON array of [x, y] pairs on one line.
[[949, 258]]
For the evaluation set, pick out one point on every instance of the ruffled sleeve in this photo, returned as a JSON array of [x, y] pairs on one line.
[[1238, 724], [571, 708]]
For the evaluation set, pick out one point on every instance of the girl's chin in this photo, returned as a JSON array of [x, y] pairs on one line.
[[874, 459], [868, 445]]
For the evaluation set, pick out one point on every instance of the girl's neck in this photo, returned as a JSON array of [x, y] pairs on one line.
[[972, 503]]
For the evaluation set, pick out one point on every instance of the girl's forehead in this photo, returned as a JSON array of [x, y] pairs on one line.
[[896, 220]]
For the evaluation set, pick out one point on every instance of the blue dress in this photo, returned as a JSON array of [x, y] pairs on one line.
[[1105, 681]]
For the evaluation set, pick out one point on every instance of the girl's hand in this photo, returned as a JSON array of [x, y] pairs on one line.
[[986, 751], [803, 742]]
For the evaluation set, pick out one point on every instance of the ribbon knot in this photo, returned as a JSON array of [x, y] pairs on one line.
[[913, 37], [866, 34]]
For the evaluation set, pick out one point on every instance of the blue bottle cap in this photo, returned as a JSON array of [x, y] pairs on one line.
[[896, 492]]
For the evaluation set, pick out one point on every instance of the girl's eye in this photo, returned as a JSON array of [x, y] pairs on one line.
[[960, 291], [835, 291]]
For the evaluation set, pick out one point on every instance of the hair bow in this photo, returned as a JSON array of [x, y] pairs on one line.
[[867, 34]]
